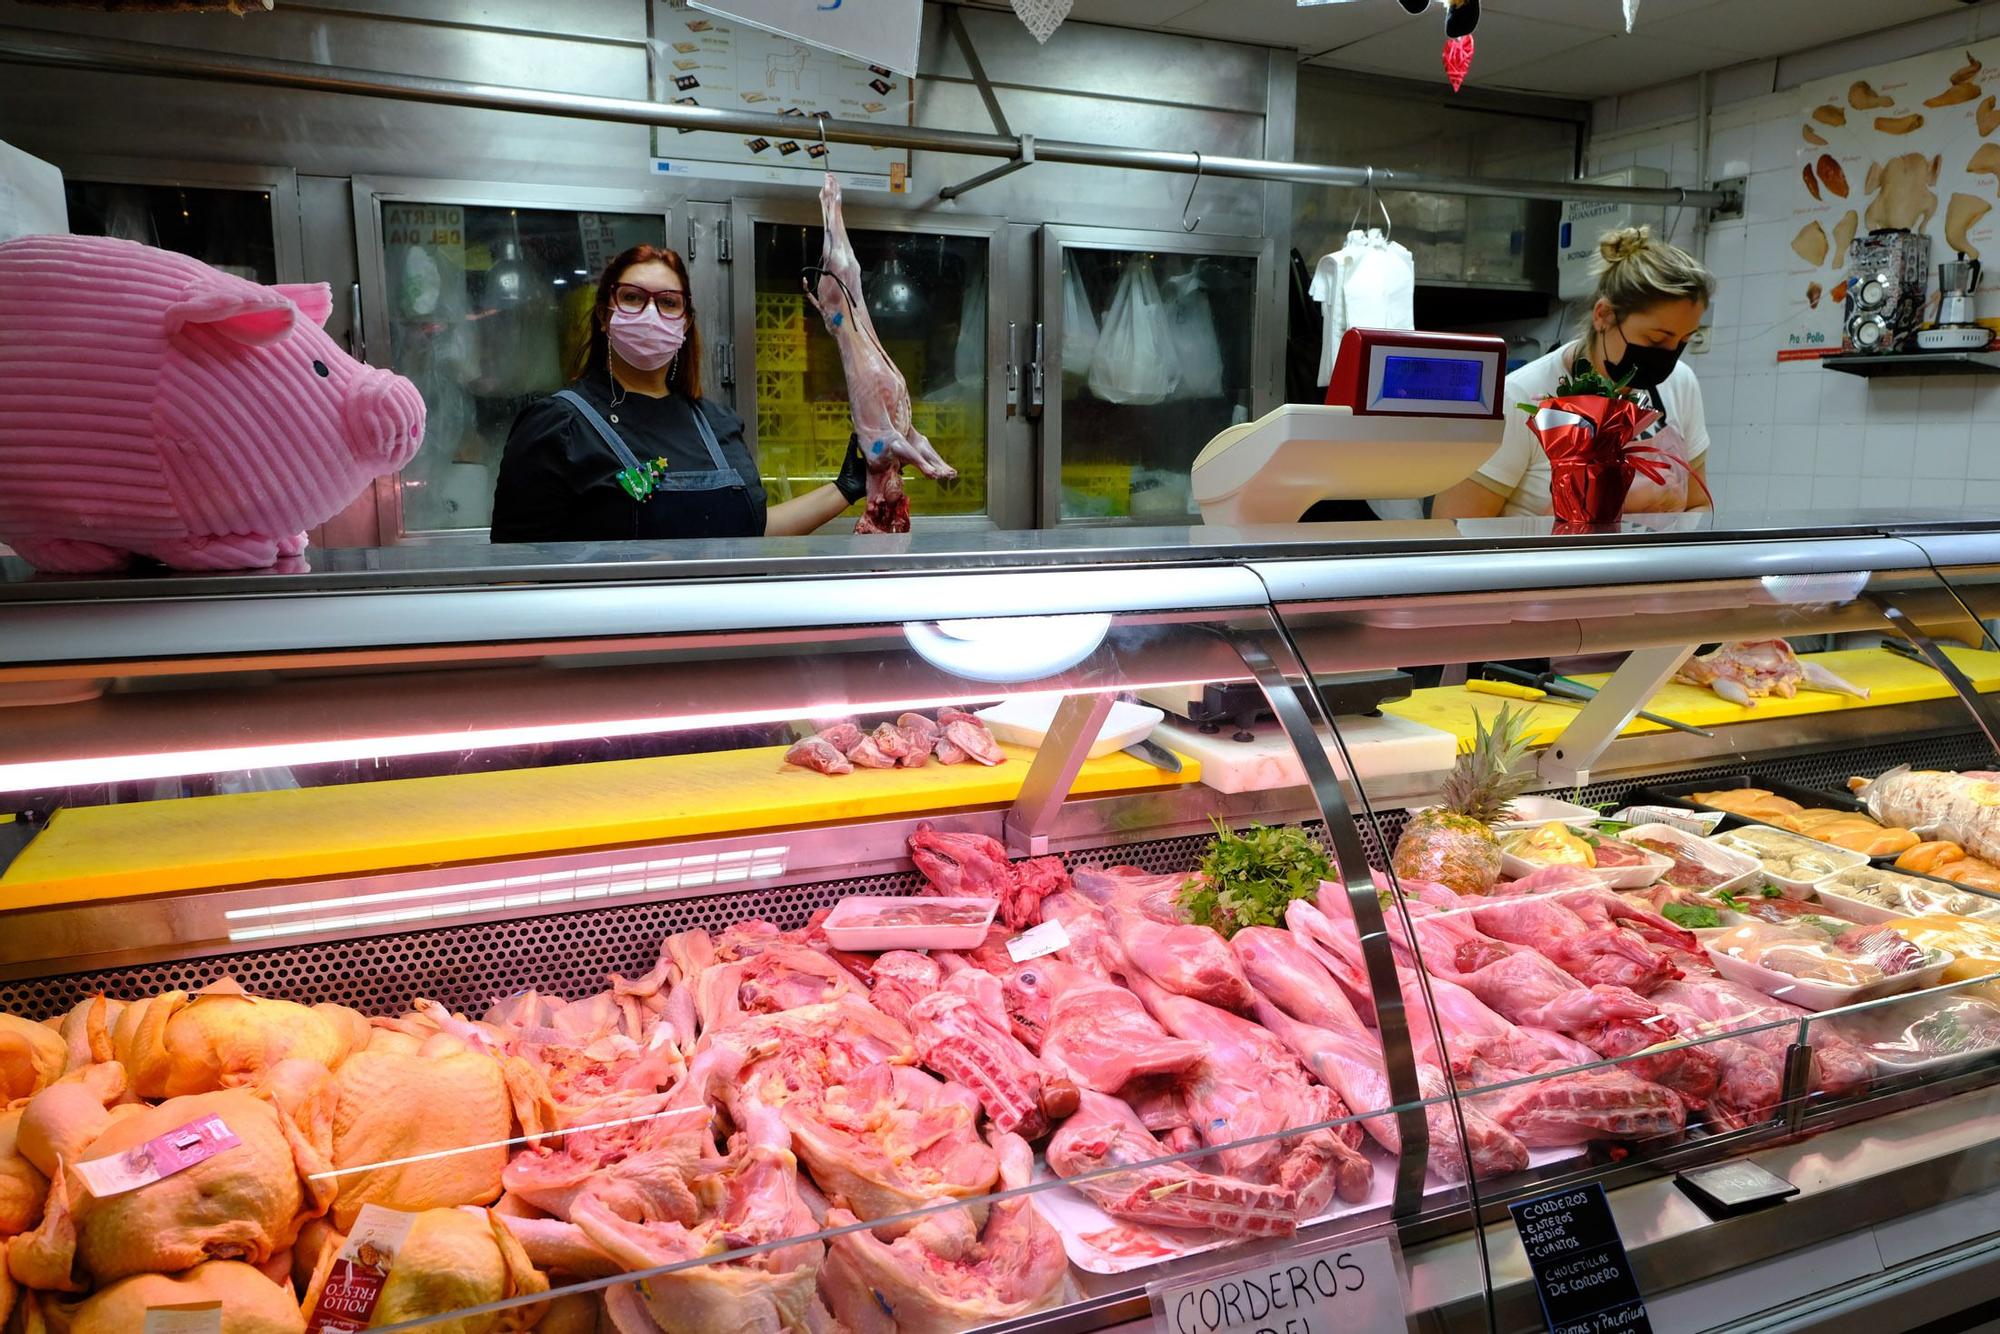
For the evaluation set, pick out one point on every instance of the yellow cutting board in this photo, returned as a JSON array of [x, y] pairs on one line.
[[1889, 679], [156, 847]]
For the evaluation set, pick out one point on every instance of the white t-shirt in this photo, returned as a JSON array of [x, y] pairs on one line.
[[1369, 283], [1519, 470]]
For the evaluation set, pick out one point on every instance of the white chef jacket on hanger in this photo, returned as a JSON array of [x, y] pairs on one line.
[[1370, 283]]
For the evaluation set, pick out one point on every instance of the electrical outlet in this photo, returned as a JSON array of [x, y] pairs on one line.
[[1698, 343]]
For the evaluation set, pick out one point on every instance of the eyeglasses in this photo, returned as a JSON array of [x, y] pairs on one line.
[[632, 299]]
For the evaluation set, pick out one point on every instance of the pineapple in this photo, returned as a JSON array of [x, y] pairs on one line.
[[1452, 843]]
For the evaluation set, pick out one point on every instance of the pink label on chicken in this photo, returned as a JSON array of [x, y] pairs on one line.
[[354, 1285], [157, 1158]]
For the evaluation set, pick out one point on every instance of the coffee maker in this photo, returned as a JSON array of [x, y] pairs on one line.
[[1955, 330]]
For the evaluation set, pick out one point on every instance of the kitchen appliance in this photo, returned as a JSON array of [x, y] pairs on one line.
[[1407, 414], [1885, 290], [1955, 330]]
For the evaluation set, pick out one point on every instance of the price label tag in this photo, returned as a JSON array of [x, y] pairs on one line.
[[347, 1300], [1036, 941], [1699, 823], [1581, 1273], [193, 1318], [160, 1156], [1351, 1286]]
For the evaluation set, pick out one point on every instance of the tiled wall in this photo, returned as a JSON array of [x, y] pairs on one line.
[[1798, 436]]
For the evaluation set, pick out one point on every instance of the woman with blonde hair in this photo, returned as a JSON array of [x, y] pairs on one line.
[[1651, 297]]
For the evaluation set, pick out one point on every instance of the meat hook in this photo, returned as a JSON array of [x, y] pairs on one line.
[[1187, 226]]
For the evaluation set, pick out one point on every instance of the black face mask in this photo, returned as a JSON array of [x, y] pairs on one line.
[[1643, 367]]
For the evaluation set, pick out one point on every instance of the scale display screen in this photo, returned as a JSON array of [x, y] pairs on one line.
[[1432, 379]]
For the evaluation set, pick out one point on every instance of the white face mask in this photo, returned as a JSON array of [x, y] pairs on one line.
[[648, 340]]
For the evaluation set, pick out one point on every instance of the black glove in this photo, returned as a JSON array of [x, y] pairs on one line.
[[853, 479]]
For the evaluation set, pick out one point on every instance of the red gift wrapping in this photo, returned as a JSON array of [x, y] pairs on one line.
[[1592, 458], [1458, 60]]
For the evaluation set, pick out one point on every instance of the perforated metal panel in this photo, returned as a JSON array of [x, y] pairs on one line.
[[466, 967]]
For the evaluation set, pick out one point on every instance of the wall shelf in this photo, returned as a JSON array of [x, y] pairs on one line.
[[1917, 363]]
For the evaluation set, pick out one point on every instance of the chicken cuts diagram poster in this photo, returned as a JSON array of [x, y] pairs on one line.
[[1915, 145], [699, 60]]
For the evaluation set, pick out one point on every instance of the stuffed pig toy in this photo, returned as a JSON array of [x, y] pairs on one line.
[[152, 405]]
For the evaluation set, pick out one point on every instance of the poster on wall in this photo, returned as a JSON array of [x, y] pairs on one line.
[[1912, 145], [874, 32], [699, 60]]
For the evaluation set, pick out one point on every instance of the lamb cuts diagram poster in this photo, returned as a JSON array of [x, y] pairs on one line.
[[700, 60], [1915, 145]]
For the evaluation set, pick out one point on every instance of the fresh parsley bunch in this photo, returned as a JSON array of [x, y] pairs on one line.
[[1247, 878]]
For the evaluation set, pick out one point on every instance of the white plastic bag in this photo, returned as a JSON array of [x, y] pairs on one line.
[[1079, 323], [1135, 361], [1197, 351]]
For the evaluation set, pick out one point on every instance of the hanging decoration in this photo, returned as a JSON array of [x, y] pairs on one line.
[[1042, 17], [1631, 15], [1461, 17]]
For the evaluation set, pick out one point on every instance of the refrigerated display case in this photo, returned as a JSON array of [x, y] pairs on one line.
[[929, 283], [526, 833], [1154, 343], [481, 295], [242, 219]]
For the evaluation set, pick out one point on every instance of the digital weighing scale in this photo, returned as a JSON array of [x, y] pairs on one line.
[[1407, 414]]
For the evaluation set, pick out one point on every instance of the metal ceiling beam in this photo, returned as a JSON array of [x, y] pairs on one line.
[[27, 46]]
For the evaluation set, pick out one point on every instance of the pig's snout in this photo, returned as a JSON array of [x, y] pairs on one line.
[[384, 414]]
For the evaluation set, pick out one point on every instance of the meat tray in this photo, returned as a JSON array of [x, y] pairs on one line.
[[1748, 837], [1680, 794], [1611, 877], [1739, 868], [1818, 996], [1527, 812], [869, 922], [1857, 909]]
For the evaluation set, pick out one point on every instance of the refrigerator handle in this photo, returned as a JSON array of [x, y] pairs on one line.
[[1013, 369], [357, 340], [1035, 376]]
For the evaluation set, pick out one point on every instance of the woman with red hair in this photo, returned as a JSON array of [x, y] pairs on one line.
[[631, 449]]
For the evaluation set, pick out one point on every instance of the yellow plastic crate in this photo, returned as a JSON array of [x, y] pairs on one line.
[[780, 312], [1110, 483], [776, 388], [778, 352], [792, 426], [832, 422]]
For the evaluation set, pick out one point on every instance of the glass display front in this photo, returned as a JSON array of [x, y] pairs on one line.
[[489, 309], [228, 228], [1155, 360], [927, 297]]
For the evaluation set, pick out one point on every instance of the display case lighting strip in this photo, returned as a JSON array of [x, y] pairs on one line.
[[540, 890]]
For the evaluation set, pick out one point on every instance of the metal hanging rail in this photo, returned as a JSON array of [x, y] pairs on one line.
[[27, 46]]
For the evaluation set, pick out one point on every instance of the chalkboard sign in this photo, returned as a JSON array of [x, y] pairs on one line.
[[1581, 1273]]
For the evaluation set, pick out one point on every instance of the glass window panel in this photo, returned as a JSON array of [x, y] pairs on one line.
[[489, 308], [1156, 359], [230, 229], [927, 297]]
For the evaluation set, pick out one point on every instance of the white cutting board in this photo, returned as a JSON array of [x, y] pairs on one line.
[[1380, 746]]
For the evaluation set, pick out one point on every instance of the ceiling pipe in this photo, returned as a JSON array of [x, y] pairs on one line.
[[27, 46]]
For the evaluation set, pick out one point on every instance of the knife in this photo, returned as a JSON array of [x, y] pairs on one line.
[[1155, 754], [1562, 685]]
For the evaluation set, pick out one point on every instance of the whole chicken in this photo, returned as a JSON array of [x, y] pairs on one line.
[[244, 1203], [32, 1057], [437, 1120], [1750, 670], [250, 1302], [174, 1044], [451, 1259], [23, 1186]]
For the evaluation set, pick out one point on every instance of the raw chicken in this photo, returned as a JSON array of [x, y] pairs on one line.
[[23, 1186], [451, 1260], [875, 388], [1100, 1035], [58, 1124], [901, 978], [975, 866], [87, 1027], [752, 1199], [419, 1130], [892, 1139], [173, 1043], [1749, 670], [244, 1203], [1015, 1267], [32, 1057], [760, 970], [962, 1033], [1105, 1133], [250, 1303], [1300, 1002], [1251, 1087]]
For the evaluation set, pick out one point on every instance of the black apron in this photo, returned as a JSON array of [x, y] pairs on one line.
[[682, 504]]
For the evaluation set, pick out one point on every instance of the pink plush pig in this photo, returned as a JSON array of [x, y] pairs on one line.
[[150, 404]]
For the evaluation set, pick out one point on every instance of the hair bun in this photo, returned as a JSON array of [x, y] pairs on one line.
[[1624, 243]]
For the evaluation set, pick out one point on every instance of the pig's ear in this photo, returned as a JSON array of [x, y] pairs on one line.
[[245, 312], [314, 300]]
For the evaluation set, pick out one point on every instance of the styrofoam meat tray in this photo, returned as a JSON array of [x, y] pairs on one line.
[[1831, 892], [1527, 812], [869, 922], [1818, 996], [1611, 877], [1739, 869], [1026, 721], [1750, 837], [1097, 1243]]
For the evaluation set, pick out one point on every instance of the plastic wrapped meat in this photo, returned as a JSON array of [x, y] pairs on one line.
[[1961, 808]]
